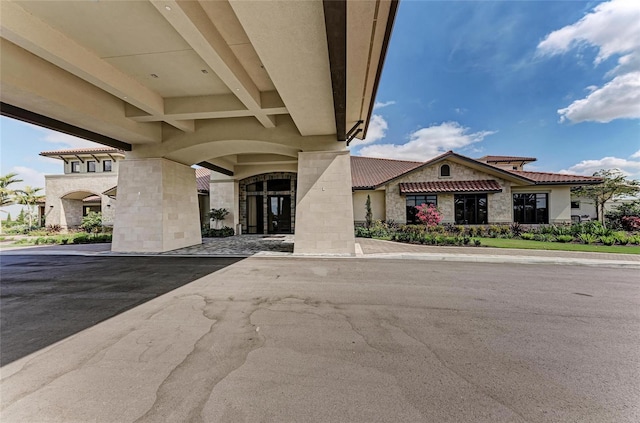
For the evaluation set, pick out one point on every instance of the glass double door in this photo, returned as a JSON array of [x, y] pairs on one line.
[[277, 210]]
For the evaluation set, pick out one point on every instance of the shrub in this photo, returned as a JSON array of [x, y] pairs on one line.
[[587, 238], [80, 238], [528, 236], [516, 229], [361, 232], [428, 214], [92, 222], [630, 223], [53, 229], [564, 238], [608, 240], [477, 242], [223, 232], [218, 215]]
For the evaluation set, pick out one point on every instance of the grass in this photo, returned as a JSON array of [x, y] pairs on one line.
[[540, 245]]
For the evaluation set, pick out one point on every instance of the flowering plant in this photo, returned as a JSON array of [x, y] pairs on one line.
[[429, 214]]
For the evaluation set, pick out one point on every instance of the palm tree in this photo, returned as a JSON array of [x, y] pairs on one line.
[[29, 196], [7, 195]]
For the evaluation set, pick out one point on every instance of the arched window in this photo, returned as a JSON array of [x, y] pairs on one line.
[[445, 170]]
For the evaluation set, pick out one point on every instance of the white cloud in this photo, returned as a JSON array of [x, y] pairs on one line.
[[67, 141], [426, 143], [380, 104], [631, 168], [617, 99], [613, 28], [29, 176], [376, 131], [635, 155]]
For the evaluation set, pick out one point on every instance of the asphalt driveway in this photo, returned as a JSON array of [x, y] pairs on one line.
[[45, 298], [356, 340]]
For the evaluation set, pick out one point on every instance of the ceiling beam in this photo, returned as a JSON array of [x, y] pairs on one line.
[[192, 23], [335, 18], [215, 168], [206, 107], [35, 36], [56, 125], [383, 54]]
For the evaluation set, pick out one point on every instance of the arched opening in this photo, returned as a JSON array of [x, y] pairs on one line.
[[445, 170], [76, 205]]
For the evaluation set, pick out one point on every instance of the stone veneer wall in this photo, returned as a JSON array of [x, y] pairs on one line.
[[157, 206], [500, 208], [68, 212], [242, 186], [324, 209]]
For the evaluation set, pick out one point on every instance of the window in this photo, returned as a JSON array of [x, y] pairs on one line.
[[530, 208], [413, 201], [470, 209], [91, 166], [75, 167], [575, 204], [279, 185], [106, 166], [445, 170], [255, 187]]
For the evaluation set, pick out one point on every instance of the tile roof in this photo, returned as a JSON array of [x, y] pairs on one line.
[[556, 178], [90, 150], [487, 185], [506, 159], [203, 178], [367, 172]]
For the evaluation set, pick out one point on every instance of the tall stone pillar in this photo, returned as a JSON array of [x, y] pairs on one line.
[[157, 206], [223, 194], [324, 207]]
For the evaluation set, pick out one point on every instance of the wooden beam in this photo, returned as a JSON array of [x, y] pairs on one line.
[[335, 18], [215, 168]]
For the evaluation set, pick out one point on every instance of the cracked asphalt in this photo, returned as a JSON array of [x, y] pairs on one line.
[[317, 340]]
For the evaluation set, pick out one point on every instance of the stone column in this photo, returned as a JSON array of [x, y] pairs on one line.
[[223, 193], [157, 206], [324, 207]]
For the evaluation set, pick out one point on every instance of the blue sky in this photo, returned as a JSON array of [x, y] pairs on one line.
[[541, 79], [559, 81]]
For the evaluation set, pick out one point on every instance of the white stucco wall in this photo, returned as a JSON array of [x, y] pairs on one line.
[[559, 200], [377, 205]]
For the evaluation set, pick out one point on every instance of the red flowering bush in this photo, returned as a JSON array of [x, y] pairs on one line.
[[428, 214], [631, 223]]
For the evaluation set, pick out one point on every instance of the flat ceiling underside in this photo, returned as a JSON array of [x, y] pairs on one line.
[[149, 72]]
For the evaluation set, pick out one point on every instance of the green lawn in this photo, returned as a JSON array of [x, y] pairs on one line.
[[540, 245]]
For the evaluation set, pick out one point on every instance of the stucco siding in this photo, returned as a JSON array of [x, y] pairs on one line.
[[67, 212], [377, 205], [559, 198]]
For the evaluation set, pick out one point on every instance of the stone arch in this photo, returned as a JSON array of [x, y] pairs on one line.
[[76, 204], [217, 149]]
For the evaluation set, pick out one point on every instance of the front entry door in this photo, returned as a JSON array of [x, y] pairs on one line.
[[279, 214]]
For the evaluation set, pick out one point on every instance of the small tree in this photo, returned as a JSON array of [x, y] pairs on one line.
[[29, 196], [20, 218], [218, 215], [7, 195], [369, 216], [428, 214], [614, 183], [92, 222]]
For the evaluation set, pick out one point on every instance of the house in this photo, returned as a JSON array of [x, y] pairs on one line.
[[487, 190], [89, 184]]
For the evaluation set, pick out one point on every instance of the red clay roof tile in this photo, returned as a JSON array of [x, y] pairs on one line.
[[487, 185]]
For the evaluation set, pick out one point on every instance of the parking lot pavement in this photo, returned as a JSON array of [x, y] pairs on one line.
[[45, 298], [318, 340]]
